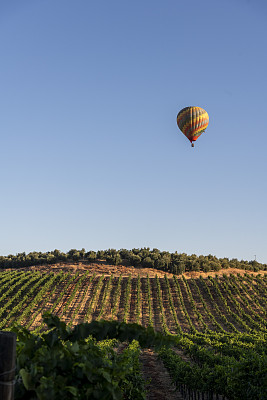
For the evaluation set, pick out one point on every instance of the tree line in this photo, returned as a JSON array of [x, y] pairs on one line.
[[175, 263]]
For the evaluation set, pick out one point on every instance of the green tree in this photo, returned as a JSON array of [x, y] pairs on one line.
[[91, 256], [148, 262], [100, 255], [135, 260]]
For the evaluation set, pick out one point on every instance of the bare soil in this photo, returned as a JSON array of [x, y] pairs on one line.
[[117, 270], [159, 385]]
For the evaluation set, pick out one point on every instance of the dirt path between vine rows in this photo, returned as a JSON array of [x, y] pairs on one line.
[[159, 385]]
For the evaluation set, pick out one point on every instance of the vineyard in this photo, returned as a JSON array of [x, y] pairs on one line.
[[217, 325]]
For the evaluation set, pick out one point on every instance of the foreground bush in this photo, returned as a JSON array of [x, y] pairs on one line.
[[65, 363]]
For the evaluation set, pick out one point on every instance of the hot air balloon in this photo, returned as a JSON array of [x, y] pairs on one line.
[[192, 121]]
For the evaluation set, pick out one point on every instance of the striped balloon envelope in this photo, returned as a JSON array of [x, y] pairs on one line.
[[192, 121]]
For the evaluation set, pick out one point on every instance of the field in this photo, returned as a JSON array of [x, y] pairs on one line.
[[207, 310]]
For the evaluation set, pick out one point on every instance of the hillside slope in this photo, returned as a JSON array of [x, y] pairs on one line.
[[77, 293]]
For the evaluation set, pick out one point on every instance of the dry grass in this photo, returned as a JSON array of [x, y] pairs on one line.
[[118, 270]]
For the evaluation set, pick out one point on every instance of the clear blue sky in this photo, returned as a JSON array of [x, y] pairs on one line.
[[91, 155]]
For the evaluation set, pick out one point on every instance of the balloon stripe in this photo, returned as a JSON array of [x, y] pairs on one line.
[[193, 122], [192, 130], [187, 118]]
